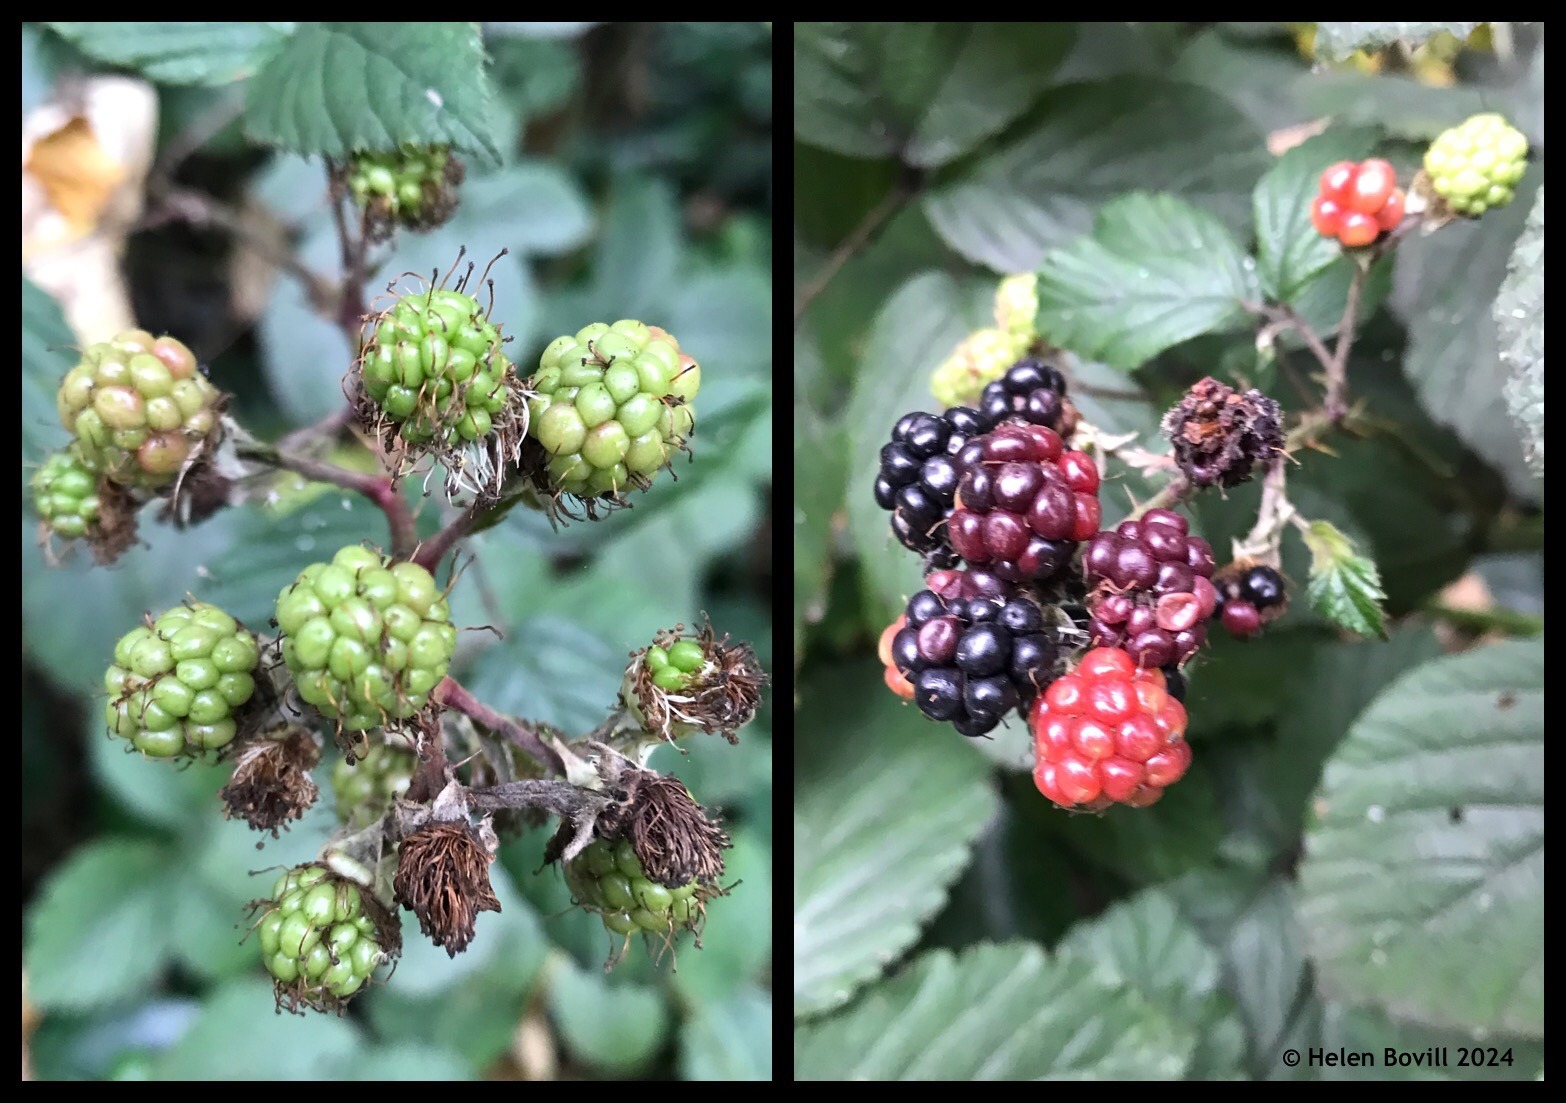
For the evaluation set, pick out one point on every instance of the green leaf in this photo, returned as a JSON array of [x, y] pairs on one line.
[[180, 53], [1443, 289], [916, 329], [729, 1040], [1144, 943], [99, 929], [885, 811], [240, 1036], [635, 267], [996, 1012], [48, 352], [1344, 587], [1430, 843], [530, 208], [405, 1061], [1289, 251], [820, 456], [552, 670], [1084, 145], [1519, 327], [616, 1029], [1156, 271], [1337, 40], [339, 87], [736, 946], [927, 92]]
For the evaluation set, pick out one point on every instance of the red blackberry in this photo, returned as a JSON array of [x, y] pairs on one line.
[[1032, 391], [919, 475], [972, 654], [1108, 732], [1024, 503], [1150, 589]]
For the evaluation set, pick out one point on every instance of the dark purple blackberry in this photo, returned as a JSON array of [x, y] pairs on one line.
[[1032, 391], [973, 654], [919, 475], [1150, 589], [1024, 503], [1262, 587]]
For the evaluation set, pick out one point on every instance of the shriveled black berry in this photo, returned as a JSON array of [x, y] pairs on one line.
[[1220, 435]]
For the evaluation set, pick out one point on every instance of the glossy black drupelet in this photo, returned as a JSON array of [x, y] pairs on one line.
[[973, 659], [919, 475]]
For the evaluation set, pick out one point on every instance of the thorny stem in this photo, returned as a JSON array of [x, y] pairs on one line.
[[1335, 405], [560, 797], [432, 551], [856, 240], [377, 488], [454, 696], [1173, 492], [350, 307], [1262, 542]]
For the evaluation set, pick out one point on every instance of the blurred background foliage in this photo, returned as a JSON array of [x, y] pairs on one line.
[[949, 924], [634, 181]]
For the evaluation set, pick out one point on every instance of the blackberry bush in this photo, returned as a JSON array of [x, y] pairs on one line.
[[296, 382], [1266, 466]]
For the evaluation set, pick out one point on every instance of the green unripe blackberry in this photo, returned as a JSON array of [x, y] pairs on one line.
[[1476, 166], [138, 407], [1017, 305], [433, 366], [981, 359], [607, 878], [316, 939], [65, 494], [365, 789], [174, 686], [414, 186], [611, 405], [366, 639]]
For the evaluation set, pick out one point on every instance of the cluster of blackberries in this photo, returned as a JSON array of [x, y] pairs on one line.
[[1025, 502], [1150, 589], [921, 465], [972, 651], [1248, 596]]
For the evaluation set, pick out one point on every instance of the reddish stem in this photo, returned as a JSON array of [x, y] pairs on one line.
[[453, 696], [377, 488], [432, 551]]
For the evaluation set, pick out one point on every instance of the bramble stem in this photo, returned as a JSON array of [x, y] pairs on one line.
[[1173, 492], [429, 554], [377, 488], [856, 240], [453, 696], [1335, 405]]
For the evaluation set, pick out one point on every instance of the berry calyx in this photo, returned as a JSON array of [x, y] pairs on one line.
[[1477, 165], [317, 938], [366, 639], [139, 409], [612, 405], [1108, 732], [177, 682]]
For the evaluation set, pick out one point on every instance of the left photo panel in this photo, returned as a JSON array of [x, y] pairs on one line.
[[397, 551]]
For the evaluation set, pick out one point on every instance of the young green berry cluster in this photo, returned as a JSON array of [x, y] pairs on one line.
[[366, 788], [607, 878], [433, 366], [1476, 166], [611, 405], [138, 408], [175, 684], [366, 639], [674, 668], [413, 186], [316, 939], [979, 360], [65, 493]]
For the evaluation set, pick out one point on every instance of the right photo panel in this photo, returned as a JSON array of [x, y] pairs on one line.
[[1168, 535]]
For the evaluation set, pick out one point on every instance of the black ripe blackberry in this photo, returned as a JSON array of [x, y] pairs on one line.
[[1263, 587], [1031, 391], [1024, 503], [1150, 589], [973, 652], [919, 475], [1249, 596]]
